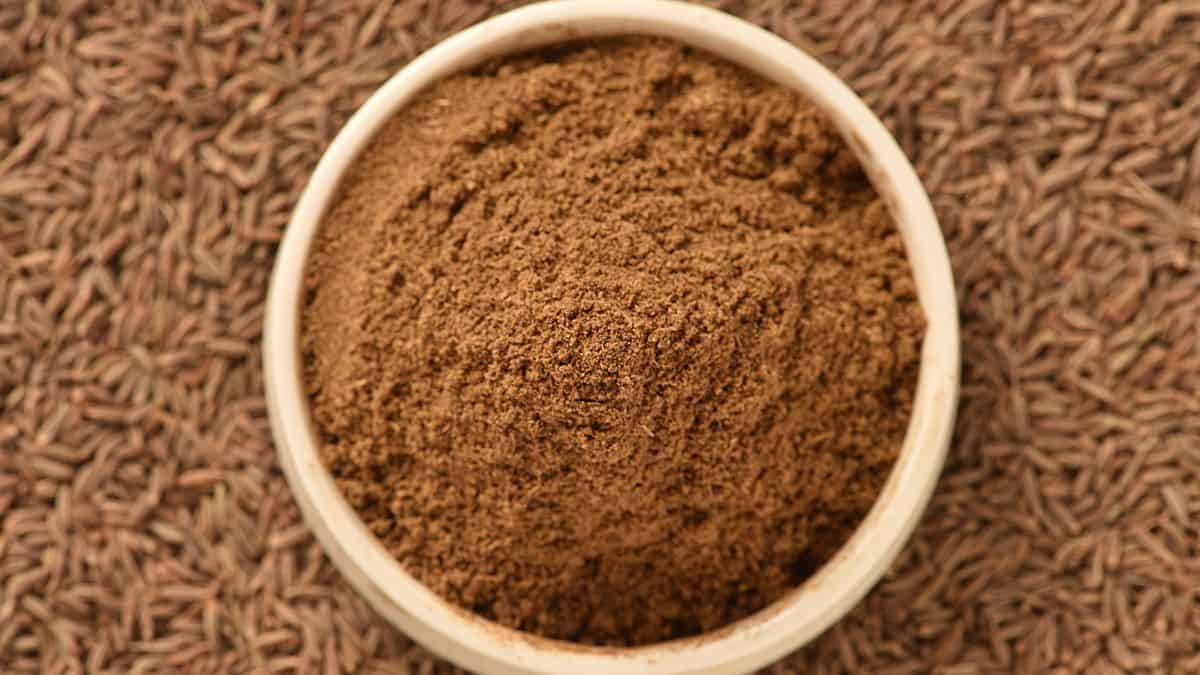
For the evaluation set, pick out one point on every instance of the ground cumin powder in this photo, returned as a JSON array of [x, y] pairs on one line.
[[612, 342]]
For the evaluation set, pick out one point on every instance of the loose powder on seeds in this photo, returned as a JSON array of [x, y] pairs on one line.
[[611, 342]]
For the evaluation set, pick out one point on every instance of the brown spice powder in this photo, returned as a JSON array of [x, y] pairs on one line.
[[612, 342]]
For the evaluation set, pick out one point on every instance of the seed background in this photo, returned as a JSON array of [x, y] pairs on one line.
[[150, 153]]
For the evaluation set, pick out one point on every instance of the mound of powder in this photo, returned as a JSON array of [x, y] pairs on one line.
[[612, 342]]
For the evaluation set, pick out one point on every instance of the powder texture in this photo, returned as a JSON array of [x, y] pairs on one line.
[[612, 343]]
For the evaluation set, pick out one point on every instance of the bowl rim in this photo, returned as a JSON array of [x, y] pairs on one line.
[[805, 612]]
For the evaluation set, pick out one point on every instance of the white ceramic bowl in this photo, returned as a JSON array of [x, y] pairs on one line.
[[801, 615]]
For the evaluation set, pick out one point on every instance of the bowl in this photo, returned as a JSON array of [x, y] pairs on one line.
[[801, 615]]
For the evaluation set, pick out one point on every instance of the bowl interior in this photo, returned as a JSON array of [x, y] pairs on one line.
[[798, 617]]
